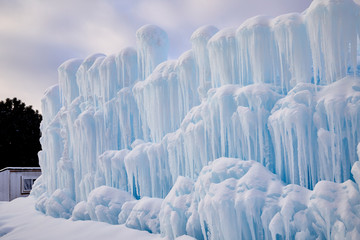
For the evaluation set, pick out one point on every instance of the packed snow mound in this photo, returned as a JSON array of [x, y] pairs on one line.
[[174, 213], [145, 215], [132, 138], [104, 205]]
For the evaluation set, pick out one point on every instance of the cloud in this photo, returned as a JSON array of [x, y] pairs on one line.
[[180, 18], [37, 36]]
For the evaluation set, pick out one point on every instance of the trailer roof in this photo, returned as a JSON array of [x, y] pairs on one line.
[[21, 168]]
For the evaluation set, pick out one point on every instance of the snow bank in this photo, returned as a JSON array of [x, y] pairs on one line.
[[20, 220]]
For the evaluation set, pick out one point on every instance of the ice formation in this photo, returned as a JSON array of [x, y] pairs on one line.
[[250, 134]]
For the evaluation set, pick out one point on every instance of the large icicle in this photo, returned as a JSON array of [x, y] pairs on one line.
[[333, 28]]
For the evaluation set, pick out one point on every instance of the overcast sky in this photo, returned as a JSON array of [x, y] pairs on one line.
[[37, 36]]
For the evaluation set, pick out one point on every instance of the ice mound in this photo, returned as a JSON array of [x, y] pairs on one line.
[[60, 204], [174, 212], [243, 200], [145, 215], [141, 214], [355, 170], [104, 204], [80, 212]]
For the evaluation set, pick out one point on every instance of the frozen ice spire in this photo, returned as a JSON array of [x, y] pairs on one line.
[[82, 77], [152, 45], [199, 40], [339, 22], [67, 80]]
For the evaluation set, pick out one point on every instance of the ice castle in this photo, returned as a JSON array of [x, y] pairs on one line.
[[251, 134]]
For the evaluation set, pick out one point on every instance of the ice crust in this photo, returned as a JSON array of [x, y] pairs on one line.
[[252, 133]]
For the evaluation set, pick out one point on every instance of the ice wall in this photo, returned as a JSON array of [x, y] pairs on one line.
[[283, 92], [174, 83]]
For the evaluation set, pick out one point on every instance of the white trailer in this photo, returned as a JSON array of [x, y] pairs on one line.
[[17, 181]]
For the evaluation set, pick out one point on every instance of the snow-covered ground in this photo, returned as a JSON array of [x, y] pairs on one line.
[[19, 220]]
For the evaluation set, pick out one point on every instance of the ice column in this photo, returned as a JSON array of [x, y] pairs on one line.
[[108, 75], [129, 118], [148, 171], [51, 140], [258, 55], [85, 162], [294, 50], [338, 122], [152, 45], [293, 136], [333, 28], [69, 89], [223, 58], [95, 82], [199, 40], [126, 64], [157, 98], [166, 96], [82, 78], [111, 169], [231, 122], [188, 83]]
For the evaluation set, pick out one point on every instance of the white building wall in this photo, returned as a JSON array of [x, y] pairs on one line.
[[11, 182], [4, 186]]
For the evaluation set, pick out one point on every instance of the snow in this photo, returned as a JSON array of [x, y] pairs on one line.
[[252, 133], [19, 220]]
